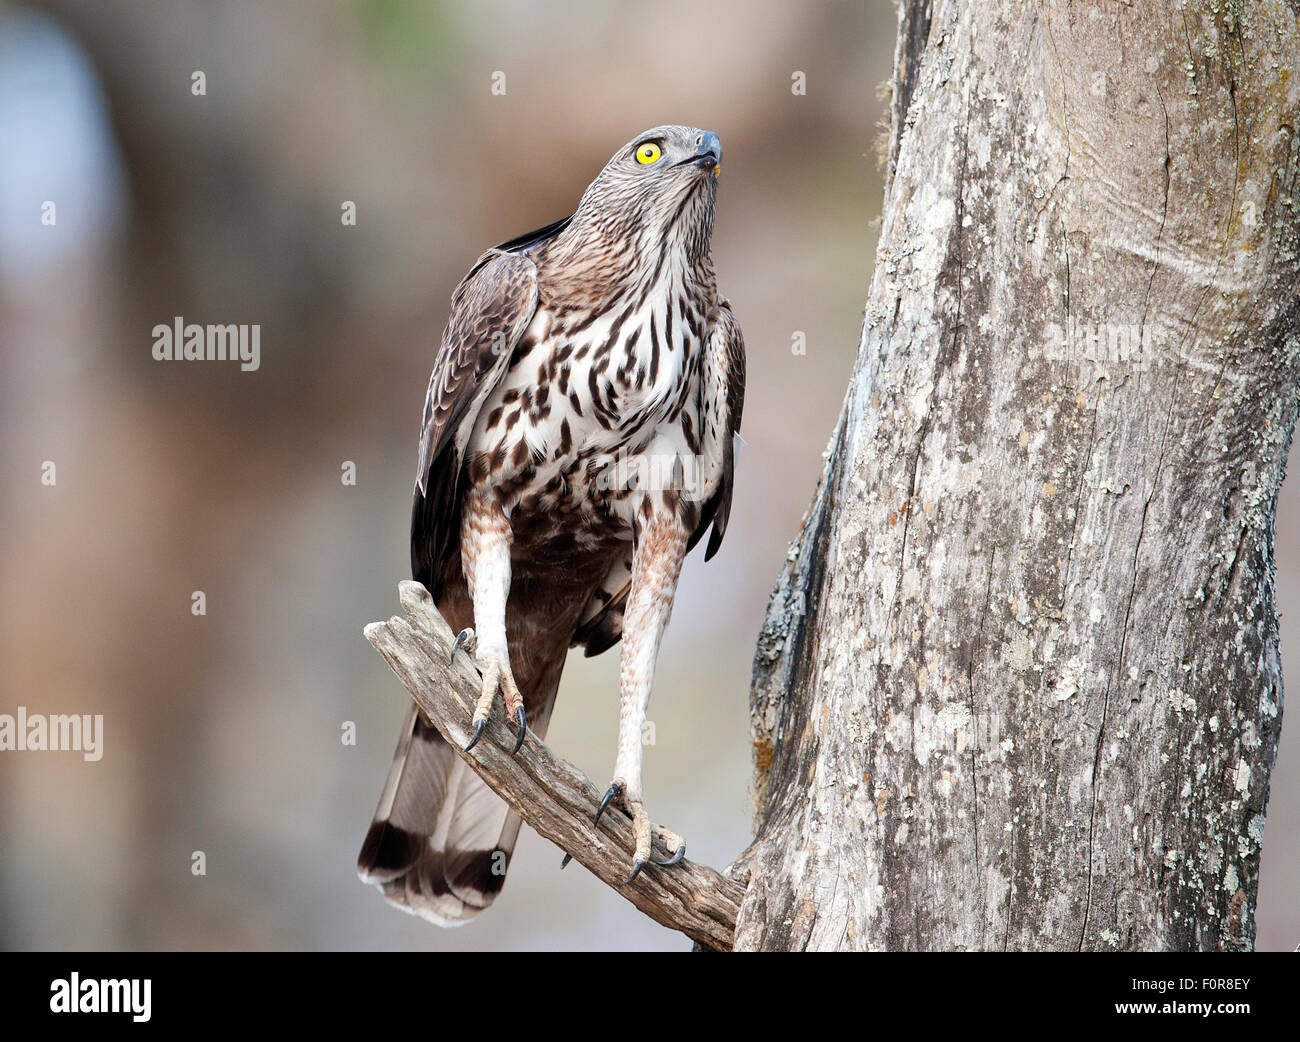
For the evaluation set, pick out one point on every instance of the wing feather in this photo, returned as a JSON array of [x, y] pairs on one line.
[[724, 401], [490, 310]]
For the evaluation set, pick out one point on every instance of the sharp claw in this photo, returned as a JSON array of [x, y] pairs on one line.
[[565, 862], [681, 853], [637, 865], [462, 639], [612, 793], [479, 728], [522, 721]]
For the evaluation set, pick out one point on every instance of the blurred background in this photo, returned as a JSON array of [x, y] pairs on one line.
[[223, 732]]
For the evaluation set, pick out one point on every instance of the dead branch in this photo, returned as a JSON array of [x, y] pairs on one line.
[[549, 793]]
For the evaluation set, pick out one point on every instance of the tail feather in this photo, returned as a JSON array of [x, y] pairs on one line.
[[441, 839]]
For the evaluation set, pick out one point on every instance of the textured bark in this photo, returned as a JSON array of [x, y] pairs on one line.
[[1019, 683]]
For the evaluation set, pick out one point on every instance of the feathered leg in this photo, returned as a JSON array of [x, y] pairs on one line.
[[656, 565], [485, 558]]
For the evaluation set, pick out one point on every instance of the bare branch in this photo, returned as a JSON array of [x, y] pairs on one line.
[[549, 793]]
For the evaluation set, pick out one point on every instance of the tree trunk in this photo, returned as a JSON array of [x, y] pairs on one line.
[[1019, 685]]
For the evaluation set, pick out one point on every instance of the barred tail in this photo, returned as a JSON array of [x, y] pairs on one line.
[[441, 839]]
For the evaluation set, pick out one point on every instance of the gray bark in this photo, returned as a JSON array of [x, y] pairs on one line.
[[1019, 683]]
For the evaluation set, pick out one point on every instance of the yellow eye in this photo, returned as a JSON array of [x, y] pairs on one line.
[[648, 153]]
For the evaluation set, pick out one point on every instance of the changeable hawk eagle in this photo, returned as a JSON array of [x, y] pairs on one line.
[[577, 442]]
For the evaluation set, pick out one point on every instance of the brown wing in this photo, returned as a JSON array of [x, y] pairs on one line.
[[489, 312], [724, 389]]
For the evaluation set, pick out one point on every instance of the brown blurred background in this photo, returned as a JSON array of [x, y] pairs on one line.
[[222, 733]]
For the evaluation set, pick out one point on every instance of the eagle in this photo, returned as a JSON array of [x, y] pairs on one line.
[[578, 440]]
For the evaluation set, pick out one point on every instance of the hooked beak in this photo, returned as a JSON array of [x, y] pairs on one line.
[[708, 152]]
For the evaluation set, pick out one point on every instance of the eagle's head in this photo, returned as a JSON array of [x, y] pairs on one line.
[[657, 192]]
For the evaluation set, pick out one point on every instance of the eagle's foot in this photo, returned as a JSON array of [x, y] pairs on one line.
[[498, 677], [643, 830], [671, 842]]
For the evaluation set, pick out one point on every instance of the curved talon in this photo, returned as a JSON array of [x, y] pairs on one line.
[[464, 639], [479, 728], [567, 859], [637, 865], [615, 791], [681, 853], [522, 721]]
